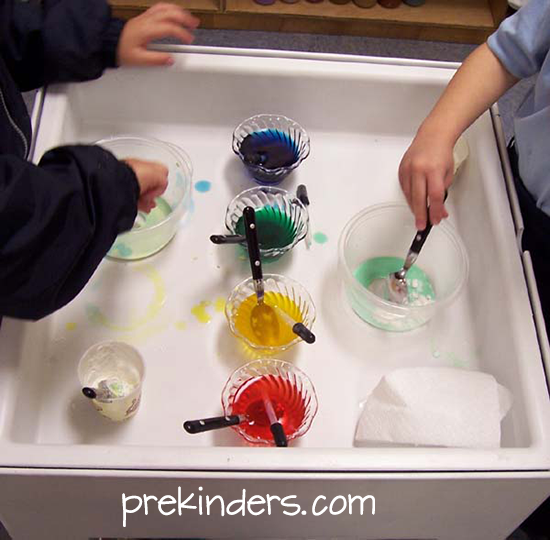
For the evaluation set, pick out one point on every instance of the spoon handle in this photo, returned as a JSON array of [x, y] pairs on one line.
[[279, 435], [301, 193], [420, 239], [304, 332], [90, 393], [251, 233], [209, 424], [421, 236], [227, 239]]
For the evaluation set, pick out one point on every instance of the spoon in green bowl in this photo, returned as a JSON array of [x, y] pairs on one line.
[[263, 318]]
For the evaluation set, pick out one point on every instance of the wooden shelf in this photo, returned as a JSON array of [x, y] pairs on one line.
[[473, 14], [468, 21], [130, 8]]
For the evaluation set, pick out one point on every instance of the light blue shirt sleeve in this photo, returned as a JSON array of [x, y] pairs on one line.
[[522, 41]]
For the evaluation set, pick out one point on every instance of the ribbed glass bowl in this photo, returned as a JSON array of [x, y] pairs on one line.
[[282, 291], [281, 219], [289, 383], [151, 232], [271, 146]]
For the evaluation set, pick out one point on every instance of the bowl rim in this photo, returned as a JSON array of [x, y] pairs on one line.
[[444, 226], [178, 153]]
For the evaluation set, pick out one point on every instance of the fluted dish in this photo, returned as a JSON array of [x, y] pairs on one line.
[[270, 146], [281, 218], [293, 385], [288, 294]]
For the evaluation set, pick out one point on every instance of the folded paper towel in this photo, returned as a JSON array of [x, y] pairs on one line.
[[435, 407]]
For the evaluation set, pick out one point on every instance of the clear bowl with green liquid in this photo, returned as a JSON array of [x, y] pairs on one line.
[[374, 243], [282, 219], [151, 232]]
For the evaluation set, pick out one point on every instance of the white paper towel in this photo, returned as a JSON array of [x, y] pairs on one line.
[[435, 407]]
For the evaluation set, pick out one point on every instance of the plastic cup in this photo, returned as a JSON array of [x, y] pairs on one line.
[[387, 230], [151, 232], [114, 371]]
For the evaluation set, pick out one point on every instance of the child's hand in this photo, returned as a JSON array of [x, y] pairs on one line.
[[425, 172], [160, 21], [152, 178]]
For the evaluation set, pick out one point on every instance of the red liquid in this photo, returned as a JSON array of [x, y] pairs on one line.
[[286, 399]]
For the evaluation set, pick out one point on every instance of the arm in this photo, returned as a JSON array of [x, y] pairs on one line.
[[57, 40], [59, 219], [426, 169], [75, 40], [516, 50]]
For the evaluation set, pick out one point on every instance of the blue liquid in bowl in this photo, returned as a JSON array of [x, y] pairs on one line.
[[269, 148]]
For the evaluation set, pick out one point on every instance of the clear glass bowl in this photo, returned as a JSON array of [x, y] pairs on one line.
[[151, 232], [289, 390], [282, 220], [285, 293], [387, 230], [270, 146]]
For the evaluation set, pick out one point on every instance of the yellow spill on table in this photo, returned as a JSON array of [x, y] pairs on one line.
[[219, 304], [180, 325], [153, 309], [200, 313]]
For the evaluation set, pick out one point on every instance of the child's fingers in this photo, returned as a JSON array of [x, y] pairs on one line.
[[418, 197], [405, 181], [146, 207], [143, 57], [436, 197]]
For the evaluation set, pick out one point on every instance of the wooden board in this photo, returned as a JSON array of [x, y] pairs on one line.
[[463, 21], [130, 8], [463, 13]]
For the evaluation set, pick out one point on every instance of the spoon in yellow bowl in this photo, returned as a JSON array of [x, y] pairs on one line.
[[264, 318]]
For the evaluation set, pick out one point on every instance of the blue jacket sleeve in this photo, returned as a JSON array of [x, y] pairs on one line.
[[57, 40], [57, 221], [522, 41]]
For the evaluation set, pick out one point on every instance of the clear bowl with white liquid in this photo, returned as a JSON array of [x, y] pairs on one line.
[[151, 232], [374, 243]]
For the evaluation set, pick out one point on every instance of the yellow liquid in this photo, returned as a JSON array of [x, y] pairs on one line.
[[280, 334]]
